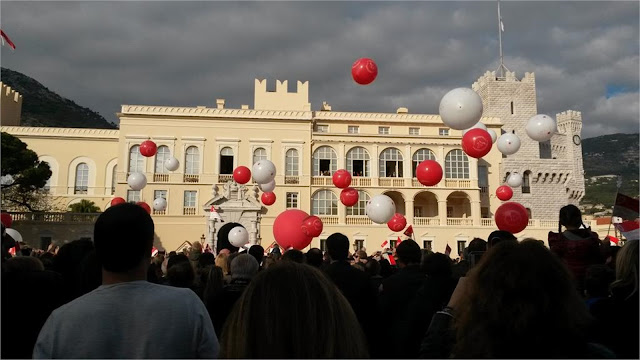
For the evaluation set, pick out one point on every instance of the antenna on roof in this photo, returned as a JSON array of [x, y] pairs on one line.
[[502, 67]]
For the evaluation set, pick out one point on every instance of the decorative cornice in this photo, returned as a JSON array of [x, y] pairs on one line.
[[129, 110], [26, 131], [390, 117]]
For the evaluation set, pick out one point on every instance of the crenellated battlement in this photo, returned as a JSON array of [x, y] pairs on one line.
[[281, 98], [11, 104], [569, 115], [510, 76]]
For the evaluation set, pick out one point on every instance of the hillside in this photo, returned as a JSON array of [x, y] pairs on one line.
[[606, 156], [43, 107]]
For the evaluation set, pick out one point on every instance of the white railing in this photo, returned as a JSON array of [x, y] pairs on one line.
[[360, 181], [292, 180], [487, 222], [459, 221], [49, 217], [453, 183], [328, 220], [159, 212], [322, 181], [426, 221], [161, 177], [358, 220], [391, 182], [191, 178], [222, 179], [188, 211]]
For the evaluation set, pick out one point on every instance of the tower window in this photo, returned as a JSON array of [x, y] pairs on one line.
[[512, 108]]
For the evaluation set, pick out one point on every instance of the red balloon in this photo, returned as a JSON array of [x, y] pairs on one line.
[[312, 226], [364, 71], [287, 230], [242, 174], [341, 179], [6, 219], [429, 173], [268, 198], [349, 196], [117, 201], [476, 143], [504, 192], [397, 223], [512, 217], [145, 206], [148, 148]]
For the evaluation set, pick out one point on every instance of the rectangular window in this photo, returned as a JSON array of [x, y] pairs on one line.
[[359, 244], [354, 129], [426, 244], [322, 128], [461, 246], [325, 167], [292, 200], [383, 130], [484, 213], [133, 195], [414, 131], [443, 132], [392, 244], [449, 211], [417, 211], [483, 178], [323, 245], [226, 164], [190, 198], [512, 108], [545, 149], [45, 241], [160, 194]]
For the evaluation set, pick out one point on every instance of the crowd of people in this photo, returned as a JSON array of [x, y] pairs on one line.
[[109, 298]]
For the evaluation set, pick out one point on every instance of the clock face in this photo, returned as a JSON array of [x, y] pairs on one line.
[[576, 139]]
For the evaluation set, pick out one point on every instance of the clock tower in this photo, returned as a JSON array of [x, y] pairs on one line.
[[570, 125]]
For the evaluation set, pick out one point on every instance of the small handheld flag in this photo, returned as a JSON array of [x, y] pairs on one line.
[[409, 231], [447, 250]]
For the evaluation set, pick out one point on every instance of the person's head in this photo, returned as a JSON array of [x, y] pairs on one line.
[[292, 310], [181, 274], [437, 265], [597, 280], [385, 268], [268, 262], [172, 253], [214, 284], [359, 266], [244, 266], [174, 260], [123, 237], [21, 264], [206, 259], [47, 260], [314, 257], [257, 252], [294, 255], [499, 236], [222, 261], [361, 256], [477, 245], [338, 247], [408, 253], [570, 218], [627, 267], [372, 267], [520, 300]]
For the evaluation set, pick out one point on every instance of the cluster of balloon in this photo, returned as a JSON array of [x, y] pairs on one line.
[[312, 226], [429, 173], [541, 127], [349, 196], [148, 148], [380, 209], [493, 135], [476, 143], [160, 204], [117, 201], [172, 164], [242, 174], [508, 143], [341, 179], [514, 180], [478, 125], [461, 108], [238, 236], [145, 206], [268, 187], [511, 217], [397, 223], [364, 71], [264, 173], [268, 198], [137, 181], [504, 193], [288, 229], [6, 219]]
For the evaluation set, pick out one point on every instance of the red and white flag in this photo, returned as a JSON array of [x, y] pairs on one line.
[[391, 259], [384, 244], [4, 38], [398, 241], [213, 214], [154, 251], [409, 231], [628, 210], [447, 250]]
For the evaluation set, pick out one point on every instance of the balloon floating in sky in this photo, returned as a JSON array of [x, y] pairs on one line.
[[242, 174], [429, 173], [461, 108], [364, 71], [508, 143], [160, 204], [341, 179], [14, 234], [397, 223], [264, 171], [476, 143], [117, 201], [479, 125], [288, 232], [137, 181], [514, 180], [312, 226], [7, 220], [268, 187], [494, 136], [512, 217], [268, 198], [504, 193], [172, 164], [148, 148], [349, 196], [381, 209], [541, 127], [238, 236]]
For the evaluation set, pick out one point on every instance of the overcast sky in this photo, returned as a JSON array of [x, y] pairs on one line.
[[103, 54]]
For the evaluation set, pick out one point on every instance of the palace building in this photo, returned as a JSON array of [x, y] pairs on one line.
[[381, 150]]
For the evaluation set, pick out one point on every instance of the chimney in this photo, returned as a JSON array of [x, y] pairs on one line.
[[402, 110], [220, 103]]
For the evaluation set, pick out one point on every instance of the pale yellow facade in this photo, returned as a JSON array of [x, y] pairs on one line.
[[306, 147]]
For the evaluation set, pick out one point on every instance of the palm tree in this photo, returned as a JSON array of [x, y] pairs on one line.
[[84, 206]]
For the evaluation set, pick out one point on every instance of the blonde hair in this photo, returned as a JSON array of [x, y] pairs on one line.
[[627, 267], [222, 261]]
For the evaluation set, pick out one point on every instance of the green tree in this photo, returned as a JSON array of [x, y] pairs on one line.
[[23, 176], [84, 206]]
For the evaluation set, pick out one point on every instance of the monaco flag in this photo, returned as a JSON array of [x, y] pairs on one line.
[[627, 209], [384, 244], [447, 251], [409, 231]]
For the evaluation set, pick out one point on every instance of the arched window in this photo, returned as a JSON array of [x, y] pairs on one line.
[[82, 179], [360, 208], [358, 162], [457, 165], [391, 163], [47, 184], [162, 154], [259, 154], [420, 156], [113, 179], [324, 202], [192, 161], [136, 160], [325, 161], [526, 184], [226, 161], [291, 162]]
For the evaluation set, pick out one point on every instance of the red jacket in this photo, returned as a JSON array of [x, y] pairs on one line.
[[579, 249]]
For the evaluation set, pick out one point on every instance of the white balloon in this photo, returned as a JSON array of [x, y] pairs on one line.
[[263, 171], [14, 234], [159, 204], [508, 143], [493, 134], [172, 164], [461, 108], [380, 209], [268, 187], [541, 127], [137, 181], [514, 180], [478, 125], [238, 236]]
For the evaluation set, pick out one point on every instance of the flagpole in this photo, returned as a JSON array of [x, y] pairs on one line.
[[501, 68], [618, 185]]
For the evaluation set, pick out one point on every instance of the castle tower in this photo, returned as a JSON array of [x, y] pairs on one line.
[[11, 106], [570, 125]]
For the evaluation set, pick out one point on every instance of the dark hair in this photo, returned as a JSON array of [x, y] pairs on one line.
[[206, 259], [597, 280], [477, 245], [372, 267], [257, 252], [181, 275], [437, 265], [314, 257], [215, 282], [90, 273], [570, 215], [499, 236], [385, 268], [176, 259], [22, 264], [294, 255], [291, 311], [172, 253], [123, 237], [338, 246], [223, 237], [409, 252], [520, 301]]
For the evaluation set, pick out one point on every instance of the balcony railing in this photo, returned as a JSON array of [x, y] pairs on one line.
[[291, 180], [487, 222], [223, 178], [360, 181], [159, 212], [188, 210], [329, 220], [392, 182], [454, 183], [426, 221], [161, 177], [191, 178], [322, 181], [459, 221], [484, 189], [80, 190], [55, 217], [358, 220]]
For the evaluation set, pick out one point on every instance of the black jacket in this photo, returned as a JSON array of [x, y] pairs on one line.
[[220, 307]]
